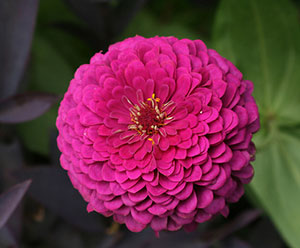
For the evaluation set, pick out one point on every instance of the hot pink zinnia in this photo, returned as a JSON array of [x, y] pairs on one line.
[[158, 132]]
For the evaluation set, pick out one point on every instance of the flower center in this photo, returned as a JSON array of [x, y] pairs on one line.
[[147, 116]]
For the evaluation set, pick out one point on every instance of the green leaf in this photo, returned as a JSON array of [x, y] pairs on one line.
[[262, 37], [277, 185]]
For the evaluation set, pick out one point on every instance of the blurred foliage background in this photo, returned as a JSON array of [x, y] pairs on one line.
[[42, 43]]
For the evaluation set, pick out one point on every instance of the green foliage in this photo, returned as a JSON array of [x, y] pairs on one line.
[[262, 38]]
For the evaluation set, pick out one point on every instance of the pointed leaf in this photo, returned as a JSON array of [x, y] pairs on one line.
[[10, 199], [277, 185], [52, 188], [25, 107], [7, 238], [17, 26]]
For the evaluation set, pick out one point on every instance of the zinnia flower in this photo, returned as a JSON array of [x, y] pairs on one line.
[[157, 132]]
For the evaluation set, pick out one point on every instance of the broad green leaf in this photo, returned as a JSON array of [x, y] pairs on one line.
[[262, 37], [277, 184]]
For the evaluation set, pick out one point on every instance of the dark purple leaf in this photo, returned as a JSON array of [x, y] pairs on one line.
[[10, 199], [25, 107], [7, 238], [11, 158], [17, 26], [148, 239], [236, 224], [234, 242], [52, 188]]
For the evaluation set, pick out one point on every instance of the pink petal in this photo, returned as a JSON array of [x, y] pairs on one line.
[[216, 205], [204, 196], [225, 157], [144, 205], [113, 204], [127, 201], [188, 205], [185, 193], [137, 187], [201, 128], [218, 150], [143, 217], [103, 188], [133, 174], [121, 177], [155, 190], [166, 183], [202, 216], [156, 209], [195, 175], [95, 172], [185, 134], [212, 174], [178, 189], [124, 152], [185, 144], [242, 116], [141, 153], [193, 120], [216, 126], [194, 151], [180, 154], [180, 124], [216, 138], [230, 119], [169, 155], [138, 196], [159, 223], [219, 87], [116, 189], [170, 130], [133, 225], [174, 140], [108, 173], [220, 180], [164, 144], [238, 161]]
